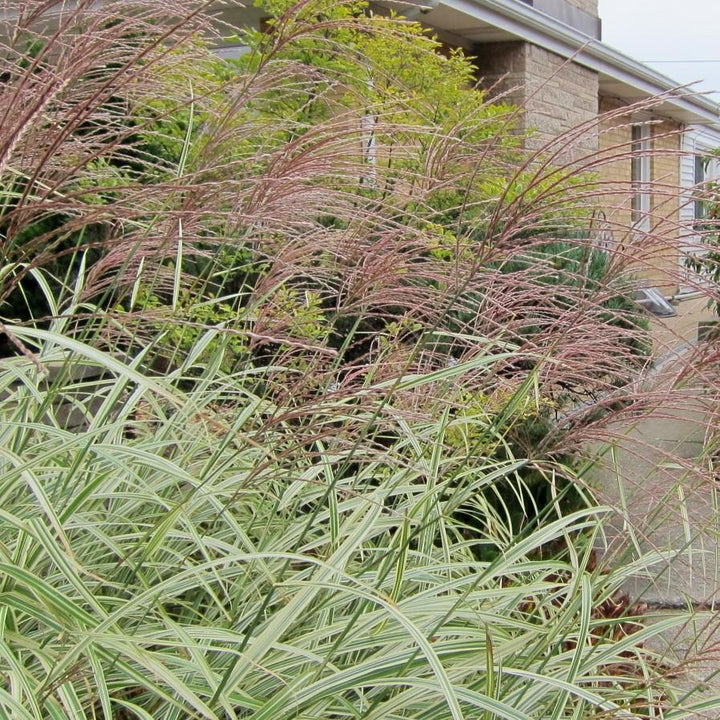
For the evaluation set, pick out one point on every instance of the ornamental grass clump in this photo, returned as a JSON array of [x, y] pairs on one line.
[[296, 388]]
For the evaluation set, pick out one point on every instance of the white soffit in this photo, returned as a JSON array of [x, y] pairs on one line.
[[457, 22]]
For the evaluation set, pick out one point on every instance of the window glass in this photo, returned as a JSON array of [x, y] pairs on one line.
[[640, 174]]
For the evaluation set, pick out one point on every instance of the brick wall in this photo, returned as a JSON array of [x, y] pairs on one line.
[[560, 95], [666, 203], [556, 95], [656, 256], [501, 67], [589, 6], [615, 136]]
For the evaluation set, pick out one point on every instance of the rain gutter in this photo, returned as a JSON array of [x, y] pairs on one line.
[[534, 26]]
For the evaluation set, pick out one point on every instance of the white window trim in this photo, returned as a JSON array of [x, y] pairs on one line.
[[641, 163]]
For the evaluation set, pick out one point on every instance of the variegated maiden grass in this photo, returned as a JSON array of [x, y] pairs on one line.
[[180, 558]]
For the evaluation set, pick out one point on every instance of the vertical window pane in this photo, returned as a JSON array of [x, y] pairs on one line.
[[699, 180], [640, 173]]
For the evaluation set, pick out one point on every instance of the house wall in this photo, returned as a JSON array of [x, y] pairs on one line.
[[556, 94], [697, 141], [501, 69], [588, 6], [560, 96], [579, 14], [666, 142], [656, 256], [615, 136]]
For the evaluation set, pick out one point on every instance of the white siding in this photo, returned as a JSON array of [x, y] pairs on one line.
[[687, 176], [696, 140]]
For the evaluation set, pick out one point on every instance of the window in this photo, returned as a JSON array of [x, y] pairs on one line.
[[640, 176], [700, 209], [705, 188]]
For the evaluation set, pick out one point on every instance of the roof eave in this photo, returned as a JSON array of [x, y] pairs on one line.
[[527, 23]]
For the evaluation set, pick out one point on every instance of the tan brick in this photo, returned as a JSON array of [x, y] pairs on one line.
[[556, 93], [589, 6], [657, 257]]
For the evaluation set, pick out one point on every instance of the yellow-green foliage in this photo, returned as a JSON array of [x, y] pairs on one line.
[[179, 329], [481, 419], [422, 98], [301, 313]]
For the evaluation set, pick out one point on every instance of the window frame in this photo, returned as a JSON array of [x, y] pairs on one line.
[[640, 175]]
